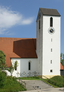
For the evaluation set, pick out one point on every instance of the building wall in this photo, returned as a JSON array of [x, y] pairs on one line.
[[47, 45], [23, 66], [39, 42]]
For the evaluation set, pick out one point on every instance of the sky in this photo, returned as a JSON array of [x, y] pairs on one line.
[[18, 17]]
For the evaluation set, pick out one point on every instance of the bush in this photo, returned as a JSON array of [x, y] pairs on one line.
[[2, 79], [4, 72], [9, 84], [56, 80], [12, 85]]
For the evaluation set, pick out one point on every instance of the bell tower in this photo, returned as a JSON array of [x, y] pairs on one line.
[[48, 42]]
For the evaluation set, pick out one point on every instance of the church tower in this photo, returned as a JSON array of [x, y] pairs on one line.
[[48, 42]]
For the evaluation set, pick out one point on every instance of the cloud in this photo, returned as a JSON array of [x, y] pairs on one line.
[[9, 18], [27, 21]]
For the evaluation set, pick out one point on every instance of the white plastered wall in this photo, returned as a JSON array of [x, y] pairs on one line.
[[23, 66], [47, 45]]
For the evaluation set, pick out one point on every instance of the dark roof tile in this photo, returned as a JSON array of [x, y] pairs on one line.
[[46, 11]]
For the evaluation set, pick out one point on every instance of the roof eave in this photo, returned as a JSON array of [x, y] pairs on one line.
[[51, 15]]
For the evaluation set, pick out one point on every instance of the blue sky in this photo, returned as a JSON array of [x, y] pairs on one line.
[[18, 17]]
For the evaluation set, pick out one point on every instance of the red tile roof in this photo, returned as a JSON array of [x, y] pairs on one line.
[[18, 48], [61, 66]]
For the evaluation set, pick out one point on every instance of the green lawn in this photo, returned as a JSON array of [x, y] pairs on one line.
[[30, 78]]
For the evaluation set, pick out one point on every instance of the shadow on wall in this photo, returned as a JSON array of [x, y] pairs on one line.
[[25, 48]]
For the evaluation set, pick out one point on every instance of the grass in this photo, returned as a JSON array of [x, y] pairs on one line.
[[46, 81], [10, 84], [56, 81], [30, 78]]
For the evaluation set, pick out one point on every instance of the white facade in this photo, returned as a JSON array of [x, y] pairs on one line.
[[49, 55], [48, 61], [23, 66]]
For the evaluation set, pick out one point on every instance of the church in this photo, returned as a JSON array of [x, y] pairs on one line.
[[40, 55]]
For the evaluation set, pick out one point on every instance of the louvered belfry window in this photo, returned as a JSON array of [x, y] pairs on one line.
[[51, 22]]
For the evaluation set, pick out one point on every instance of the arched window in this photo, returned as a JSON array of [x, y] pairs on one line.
[[15, 68], [29, 65], [39, 24], [15, 65], [51, 22]]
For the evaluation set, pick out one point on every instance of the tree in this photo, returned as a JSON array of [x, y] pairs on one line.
[[12, 67], [2, 60], [61, 58]]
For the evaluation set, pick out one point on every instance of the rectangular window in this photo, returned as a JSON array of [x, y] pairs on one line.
[[51, 70], [51, 39], [51, 61]]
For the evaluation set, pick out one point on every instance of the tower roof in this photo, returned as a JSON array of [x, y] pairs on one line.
[[48, 12], [52, 12]]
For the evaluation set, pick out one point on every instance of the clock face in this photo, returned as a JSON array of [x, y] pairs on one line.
[[51, 30]]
